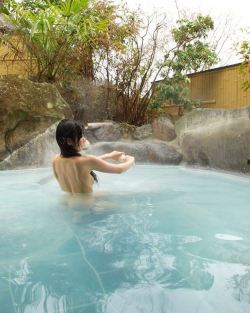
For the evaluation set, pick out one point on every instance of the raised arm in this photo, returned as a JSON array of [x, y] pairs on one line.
[[114, 155], [100, 165]]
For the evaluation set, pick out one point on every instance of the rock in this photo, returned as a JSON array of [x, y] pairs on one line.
[[26, 110], [40, 151], [223, 145], [201, 117], [163, 129], [88, 99], [105, 131], [143, 152], [142, 132], [36, 153]]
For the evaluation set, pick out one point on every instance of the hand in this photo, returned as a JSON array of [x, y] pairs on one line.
[[115, 155], [131, 158], [127, 158]]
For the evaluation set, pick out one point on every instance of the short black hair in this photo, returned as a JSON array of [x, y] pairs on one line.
[[70, 129]]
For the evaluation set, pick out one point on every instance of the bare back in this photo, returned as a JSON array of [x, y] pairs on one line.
[[73, 174]]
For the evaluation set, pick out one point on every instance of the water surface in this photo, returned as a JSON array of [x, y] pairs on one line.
[[158, 239]]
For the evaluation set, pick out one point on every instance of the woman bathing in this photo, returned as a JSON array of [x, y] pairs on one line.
[[73, 171]]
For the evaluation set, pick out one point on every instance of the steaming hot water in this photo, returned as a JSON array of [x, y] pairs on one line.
[[158, 239]]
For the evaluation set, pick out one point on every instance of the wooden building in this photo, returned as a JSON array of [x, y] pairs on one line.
[[9, 62], [220, 87], [216, 88], [12, 64]]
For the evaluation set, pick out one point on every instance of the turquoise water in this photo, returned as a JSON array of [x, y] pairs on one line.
[[161, 239]]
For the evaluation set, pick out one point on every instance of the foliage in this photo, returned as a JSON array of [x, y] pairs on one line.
[[137, 70], [245, 66], [174, 93], [65, 37], [121, 24], [129, 72], [51, 31], [191, 53], [35, 5], [132, 71], [105, 42]]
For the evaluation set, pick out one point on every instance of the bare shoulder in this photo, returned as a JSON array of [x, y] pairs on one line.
[[90, 161], [55, 158], [85, 160]]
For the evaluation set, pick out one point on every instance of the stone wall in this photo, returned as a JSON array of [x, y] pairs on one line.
[[26, 110], [202, 117], [216, 138]]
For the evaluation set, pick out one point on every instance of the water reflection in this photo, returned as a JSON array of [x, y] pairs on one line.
[[130, 252], [104, 251], [241, 286], [54, 287]]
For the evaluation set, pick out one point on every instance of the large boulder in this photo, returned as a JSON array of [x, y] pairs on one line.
[[144, 152], [104, 131], [163, 129], [26, 110], [40, 150], [90, 101], [143, 132], [111, 131], [224, 145], [201, 117]]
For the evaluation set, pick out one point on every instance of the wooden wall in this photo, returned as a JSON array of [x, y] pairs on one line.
[[10, 64], [220, 88]]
